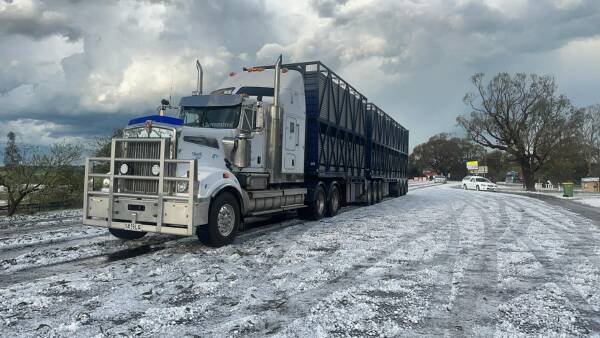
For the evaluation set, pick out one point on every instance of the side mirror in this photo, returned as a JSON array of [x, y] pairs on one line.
[[260, 118]]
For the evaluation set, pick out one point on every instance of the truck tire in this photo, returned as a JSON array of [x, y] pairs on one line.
[[378, 192], [395, 189], [334, 201], [315, 210], [126, 234], [224, 219], [370, 198]]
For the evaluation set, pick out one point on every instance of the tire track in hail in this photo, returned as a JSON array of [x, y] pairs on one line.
[[477, 299], [554, 270], [453, 298], [53, 238], [299, 304], [126, 250]]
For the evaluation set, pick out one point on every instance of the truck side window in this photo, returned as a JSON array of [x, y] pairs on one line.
[[291, 127], [248, 120]]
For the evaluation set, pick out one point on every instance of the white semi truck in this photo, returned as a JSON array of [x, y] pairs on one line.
[[270, 139]]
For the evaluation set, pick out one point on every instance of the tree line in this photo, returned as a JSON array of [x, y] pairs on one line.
[[32, 174], [47, 176], [518, 121]]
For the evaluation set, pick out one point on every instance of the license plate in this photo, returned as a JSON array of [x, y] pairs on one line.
[[133, 227]]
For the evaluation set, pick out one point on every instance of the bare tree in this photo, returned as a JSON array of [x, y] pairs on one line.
[[36, 171], [522, 115], [100, 146], [591, 135]]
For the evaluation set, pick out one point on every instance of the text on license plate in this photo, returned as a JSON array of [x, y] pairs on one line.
[[133, 227]]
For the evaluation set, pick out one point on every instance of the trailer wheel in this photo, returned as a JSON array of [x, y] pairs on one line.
[[223, 221], [396, 189], [334, 201], [315, 210], [370, 198], [126, 234]]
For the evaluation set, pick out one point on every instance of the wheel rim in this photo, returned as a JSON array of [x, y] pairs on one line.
[[226, 219], [335, 200], [321, 202]]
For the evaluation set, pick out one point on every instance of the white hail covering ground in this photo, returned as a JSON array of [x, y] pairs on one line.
[[586, 198], [440, 261], [593, 201]]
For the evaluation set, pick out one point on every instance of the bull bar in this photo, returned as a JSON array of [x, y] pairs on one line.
[[171, 213]]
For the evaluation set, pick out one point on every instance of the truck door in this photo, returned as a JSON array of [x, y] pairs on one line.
[[293, 159]]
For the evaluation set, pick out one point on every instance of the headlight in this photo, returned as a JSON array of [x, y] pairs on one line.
[[124, 169], [155, 170], [182, 187], [106, 183]]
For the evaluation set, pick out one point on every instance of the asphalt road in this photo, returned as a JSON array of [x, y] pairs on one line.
[[438, 261]]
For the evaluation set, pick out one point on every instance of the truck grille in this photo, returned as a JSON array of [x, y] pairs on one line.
[[141, 150]]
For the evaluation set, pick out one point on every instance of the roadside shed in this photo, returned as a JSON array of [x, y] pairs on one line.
[[590, 184]]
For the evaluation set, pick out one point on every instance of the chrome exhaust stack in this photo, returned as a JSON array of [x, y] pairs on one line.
[[200, 78], [274, 132], [277, 81]]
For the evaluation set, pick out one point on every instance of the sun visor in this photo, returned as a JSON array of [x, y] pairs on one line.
[[157, 118], [210, 101]]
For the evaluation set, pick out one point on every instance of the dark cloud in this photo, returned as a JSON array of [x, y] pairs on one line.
[[327, 8], [413, 58], [34, 21]]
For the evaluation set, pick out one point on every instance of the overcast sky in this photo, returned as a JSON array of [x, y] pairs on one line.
[[73, 69]]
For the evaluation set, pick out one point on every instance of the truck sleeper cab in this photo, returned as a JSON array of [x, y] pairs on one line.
[[271, 139]]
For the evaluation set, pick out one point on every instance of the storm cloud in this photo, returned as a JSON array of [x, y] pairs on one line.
[[77, 69]]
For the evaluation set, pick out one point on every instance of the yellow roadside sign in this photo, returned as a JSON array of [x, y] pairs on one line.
[[472, 165]]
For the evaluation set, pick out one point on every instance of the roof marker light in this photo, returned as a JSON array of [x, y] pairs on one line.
[[253, 69]]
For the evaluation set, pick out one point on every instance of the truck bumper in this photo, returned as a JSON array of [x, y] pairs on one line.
[[176, 217]]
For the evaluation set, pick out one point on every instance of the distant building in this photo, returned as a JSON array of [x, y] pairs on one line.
[[429, 173], [590, 184]]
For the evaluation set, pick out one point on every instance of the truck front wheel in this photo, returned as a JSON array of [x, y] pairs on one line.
[[126, 234], [223, 221]]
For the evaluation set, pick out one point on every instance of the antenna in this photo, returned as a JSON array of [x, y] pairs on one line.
[[171, 89]]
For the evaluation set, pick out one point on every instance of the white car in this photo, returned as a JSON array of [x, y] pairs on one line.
[[478, 183], [439, 179]]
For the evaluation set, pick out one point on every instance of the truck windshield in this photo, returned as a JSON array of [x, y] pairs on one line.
[[211, 117]]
